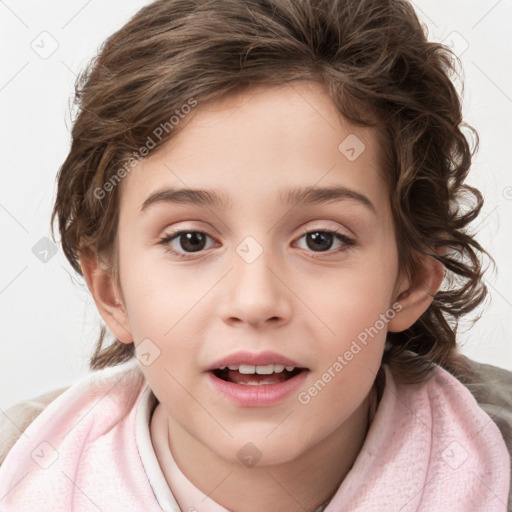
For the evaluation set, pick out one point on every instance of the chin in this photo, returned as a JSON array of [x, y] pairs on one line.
[[256, 449]]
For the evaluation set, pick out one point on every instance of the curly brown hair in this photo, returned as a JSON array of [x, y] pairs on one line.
[[374, 59]]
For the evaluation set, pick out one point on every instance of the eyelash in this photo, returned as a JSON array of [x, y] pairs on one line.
[[347, 241]]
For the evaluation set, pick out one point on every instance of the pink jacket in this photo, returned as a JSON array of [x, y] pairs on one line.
[[430, 447]]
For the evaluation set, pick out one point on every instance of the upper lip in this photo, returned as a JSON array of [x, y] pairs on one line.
[[253, 359]]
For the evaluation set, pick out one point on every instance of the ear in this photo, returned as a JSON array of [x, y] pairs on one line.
[[416, 295], [106, 295]]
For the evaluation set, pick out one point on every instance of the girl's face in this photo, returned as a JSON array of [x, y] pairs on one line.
[[230, 277]]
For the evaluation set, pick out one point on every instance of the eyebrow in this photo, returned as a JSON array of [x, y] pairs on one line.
[[217, 199]]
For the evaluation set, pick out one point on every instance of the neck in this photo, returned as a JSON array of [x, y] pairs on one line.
[[301, 484]]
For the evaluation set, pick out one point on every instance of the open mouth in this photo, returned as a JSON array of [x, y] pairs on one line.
[[248, 379], [248, 375]]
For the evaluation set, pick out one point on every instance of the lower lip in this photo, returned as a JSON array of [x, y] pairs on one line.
[[263, 395]]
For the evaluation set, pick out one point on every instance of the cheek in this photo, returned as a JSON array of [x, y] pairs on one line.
[[356, 308], [355, 300], [163, 310], [155, 297], [349, 357]]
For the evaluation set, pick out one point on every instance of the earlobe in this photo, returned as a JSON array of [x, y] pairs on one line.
[[106, 296], [418, 293]]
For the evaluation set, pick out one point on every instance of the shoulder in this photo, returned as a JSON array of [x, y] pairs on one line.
[[98, 386], [492, 388], [15, 419]]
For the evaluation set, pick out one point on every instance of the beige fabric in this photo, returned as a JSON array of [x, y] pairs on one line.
[[492, 388], [15, 420], [490, 385]]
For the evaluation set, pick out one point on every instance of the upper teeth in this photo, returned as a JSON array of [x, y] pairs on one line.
[[260, 370]]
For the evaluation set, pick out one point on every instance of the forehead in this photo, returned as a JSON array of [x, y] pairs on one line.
[[260, 143]]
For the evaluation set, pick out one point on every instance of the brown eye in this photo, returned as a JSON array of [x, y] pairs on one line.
[[181, 243], [322, 240], [192, 241], [319, 240]]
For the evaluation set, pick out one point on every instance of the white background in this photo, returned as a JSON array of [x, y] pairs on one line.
[[48, 320]]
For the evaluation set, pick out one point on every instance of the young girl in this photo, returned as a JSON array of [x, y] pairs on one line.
[[302, 356]]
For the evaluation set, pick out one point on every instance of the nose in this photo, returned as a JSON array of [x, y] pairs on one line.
[[256, 292]]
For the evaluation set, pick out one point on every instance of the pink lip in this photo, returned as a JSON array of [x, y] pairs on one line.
[[264, 395], [254, 359]]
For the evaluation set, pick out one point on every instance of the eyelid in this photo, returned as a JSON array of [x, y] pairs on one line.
[[346, 240], [168, 237]]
